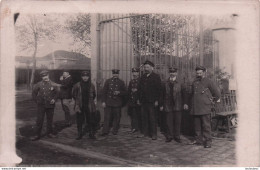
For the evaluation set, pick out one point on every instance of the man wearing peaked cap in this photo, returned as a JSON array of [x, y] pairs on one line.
[[84, 94], [115, 71], [204, 94], [85, 73], [44, 73], [65, 95], [45, 94], [149, 63], [172, 103], [200, 68], [134, 107], [150, 89], [114, 92]]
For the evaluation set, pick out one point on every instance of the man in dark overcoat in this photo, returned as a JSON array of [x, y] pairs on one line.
[[172, 103], [65, 95], [45, 94], [114, 94], [134, 107], [204, 94], [150, 88], [84, 94]]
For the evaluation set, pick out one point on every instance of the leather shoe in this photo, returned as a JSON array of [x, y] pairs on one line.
[[104, 134], [168, 140], [207, 145], [92, 136], [51, 136], [177, 140], [194, 142], [79, 137], [154, 137], [35, 138], [114, 133]]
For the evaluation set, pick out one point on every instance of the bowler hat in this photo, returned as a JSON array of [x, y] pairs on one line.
[[149, 63], [115, 71], [44, 73], [200, 68]]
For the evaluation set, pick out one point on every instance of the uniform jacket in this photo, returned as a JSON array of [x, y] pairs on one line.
[[150, 88], [133, 97], [112, 85], [77, 96], [176, 100], [43, 92], [203, 92], [66, 87]]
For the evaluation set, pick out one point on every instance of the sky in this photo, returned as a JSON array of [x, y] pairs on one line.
[[63, 40]]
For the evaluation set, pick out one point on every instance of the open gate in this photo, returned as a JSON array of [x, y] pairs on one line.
[[127, 40]]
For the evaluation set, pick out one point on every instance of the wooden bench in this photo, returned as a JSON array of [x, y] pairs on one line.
[[226, 111], [226, 117]]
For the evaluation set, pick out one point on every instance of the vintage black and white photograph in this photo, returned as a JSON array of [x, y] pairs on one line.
[[136, 89]]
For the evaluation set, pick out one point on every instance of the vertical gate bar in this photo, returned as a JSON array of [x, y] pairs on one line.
[[119, 57], [101, 50], [106, 49], [150, 36], [171, 40], [145, 26], [126, 47], [160, 40], [155, 40], [136, 41], [110, 43], [139, 40]]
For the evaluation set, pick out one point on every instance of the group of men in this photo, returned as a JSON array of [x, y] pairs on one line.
[[144, 96]]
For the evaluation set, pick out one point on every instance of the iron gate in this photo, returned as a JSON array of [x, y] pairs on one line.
[[127, 40]]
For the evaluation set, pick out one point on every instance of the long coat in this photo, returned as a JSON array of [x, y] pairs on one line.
[[77, 96], [176, 100], [204, 93], [133, 97], [150, 88], [112, 85], [43, 92], [66, 87]]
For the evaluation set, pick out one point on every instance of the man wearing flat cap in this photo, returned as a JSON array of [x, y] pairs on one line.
[[45, 94], [114, 92], [65, 95], [172, 103], [204, 94], [84, 94], [134, 107], [150, 88]]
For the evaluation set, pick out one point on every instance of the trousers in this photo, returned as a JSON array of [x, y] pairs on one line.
[[173, 120], [202, 125], [87, 118], [149, 119], [136, 117], [112, 115], [67, 108], [41, 111]]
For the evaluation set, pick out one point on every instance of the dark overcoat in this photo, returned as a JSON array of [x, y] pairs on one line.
[[65, 88], [43, 92], [173, 101], [150, 88], [109, 97], [204, 93], [77, 96], [133, 97]]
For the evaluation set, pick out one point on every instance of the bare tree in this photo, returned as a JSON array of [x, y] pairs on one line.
[[31, 30], [79, 27]]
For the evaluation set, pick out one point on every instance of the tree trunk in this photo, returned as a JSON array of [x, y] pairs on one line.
[[34, 61]]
